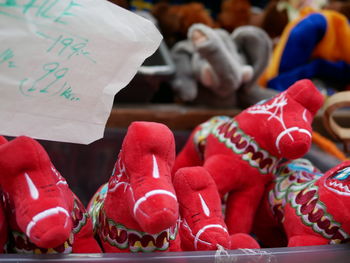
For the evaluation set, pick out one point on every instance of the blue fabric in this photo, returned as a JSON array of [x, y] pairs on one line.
[[302, 41], [333, 72]]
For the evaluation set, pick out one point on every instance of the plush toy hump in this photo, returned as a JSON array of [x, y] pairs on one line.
[[22, 153], [149, 138], [305, 93]]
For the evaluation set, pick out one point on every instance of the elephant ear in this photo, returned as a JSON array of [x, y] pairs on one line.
[[256, 48]]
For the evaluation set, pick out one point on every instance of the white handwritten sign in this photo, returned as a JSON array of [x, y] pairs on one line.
[[62, 62]]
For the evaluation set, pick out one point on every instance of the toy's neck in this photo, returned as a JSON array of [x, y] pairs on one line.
[[241, 143], [312, 205], [120, 236]]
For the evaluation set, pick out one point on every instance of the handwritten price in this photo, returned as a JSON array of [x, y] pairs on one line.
[[48, 83]]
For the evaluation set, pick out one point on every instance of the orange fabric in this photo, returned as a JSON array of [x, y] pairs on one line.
[[335, 44], [328, 146]]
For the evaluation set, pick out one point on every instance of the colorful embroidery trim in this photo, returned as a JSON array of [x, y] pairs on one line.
[[119, 236], [22, 244], [298, 188], [228, 132]]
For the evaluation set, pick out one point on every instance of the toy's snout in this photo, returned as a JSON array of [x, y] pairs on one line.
[[156, 211], [49, 228], [294, 142]]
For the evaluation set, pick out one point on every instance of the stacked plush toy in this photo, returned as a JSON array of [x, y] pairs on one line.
[[155, 201], [242, 153], [39, 214], [303, 207], [138, 209]]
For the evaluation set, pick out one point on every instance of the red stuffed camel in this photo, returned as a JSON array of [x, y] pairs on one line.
[[303, 207], [42, 213], [138, 209], [241, 153]]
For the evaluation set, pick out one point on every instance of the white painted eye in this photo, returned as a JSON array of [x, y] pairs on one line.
[[34, 193], [304, 116], [155, 172], [204, 206]]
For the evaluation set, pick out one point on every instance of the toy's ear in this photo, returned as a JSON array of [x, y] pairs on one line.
[[306, 93], [256, 47]]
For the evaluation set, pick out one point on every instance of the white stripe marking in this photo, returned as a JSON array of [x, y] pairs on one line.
[[204, 206], [152, 193], [287, 131], [32, 188], [42, 215], [155, 172], [304, 115]]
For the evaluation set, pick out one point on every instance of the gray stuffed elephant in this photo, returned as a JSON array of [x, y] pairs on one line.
[[218, 69]]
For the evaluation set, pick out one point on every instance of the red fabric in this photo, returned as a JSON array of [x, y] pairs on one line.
[[313, 209], [140, 200], [202, 225], [241, 153], [38, 201]]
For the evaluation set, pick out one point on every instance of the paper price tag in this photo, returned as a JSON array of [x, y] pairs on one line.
[[62, 62]]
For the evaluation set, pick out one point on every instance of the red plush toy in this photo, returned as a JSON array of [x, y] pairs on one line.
[[42, 213], [138, 209], [202, 225], [303, 207], [241, 153]]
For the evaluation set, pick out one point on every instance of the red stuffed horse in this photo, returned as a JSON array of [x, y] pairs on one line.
[[138, 209], [241, 153], [41, 212], [303, 207]]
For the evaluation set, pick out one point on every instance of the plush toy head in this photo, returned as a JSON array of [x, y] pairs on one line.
[[278, 13], [148, 154], [137, 211], [337, 183], [175, 20], [140, 192], [233, 14], [284, 122], [202, 225], [42, 213], [36, 192]]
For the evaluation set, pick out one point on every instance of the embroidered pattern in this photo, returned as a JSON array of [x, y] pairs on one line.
[[228, 132], [296, 185], [234, 138], [79, 215], [20, 243], [119, 236], [206, 128]]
